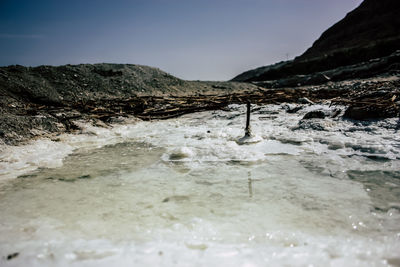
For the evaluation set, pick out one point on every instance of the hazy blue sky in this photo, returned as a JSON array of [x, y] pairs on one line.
[[192, 39]]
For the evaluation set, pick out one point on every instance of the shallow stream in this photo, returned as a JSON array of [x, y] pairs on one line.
[[183, 192]]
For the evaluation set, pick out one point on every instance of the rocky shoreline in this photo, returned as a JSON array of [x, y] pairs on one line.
[[48, 100]]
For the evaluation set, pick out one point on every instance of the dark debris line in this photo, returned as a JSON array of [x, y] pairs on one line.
[[362, 105], [366, 101]]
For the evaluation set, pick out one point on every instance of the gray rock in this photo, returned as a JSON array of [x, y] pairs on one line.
[[316, 114]]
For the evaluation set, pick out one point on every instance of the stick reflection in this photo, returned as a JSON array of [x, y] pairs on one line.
[[250, 183]]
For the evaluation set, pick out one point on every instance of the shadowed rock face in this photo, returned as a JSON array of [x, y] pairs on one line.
[[373, 23], [370, 31]]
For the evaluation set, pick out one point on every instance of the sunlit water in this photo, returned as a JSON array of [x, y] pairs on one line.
[[183, 192]]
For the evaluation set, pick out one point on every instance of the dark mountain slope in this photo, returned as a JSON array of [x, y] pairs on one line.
[[370, 31], [373, 23]]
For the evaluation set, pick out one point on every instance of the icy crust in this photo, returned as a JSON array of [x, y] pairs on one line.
[[213, 136], [143, 217], [284, 249], [15, 161], [339, 144], [321, 191], [49, 153]]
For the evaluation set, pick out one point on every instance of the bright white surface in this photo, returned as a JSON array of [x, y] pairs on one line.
[[184, 192]]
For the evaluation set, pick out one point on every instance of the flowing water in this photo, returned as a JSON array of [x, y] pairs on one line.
[[183, 192]]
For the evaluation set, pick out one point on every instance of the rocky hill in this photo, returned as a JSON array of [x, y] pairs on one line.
[[368, 32], [72, 83]]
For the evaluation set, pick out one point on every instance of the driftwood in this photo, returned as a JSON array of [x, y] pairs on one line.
[[362, 104]]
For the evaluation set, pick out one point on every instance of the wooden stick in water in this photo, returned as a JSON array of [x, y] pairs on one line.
[[247, 130]]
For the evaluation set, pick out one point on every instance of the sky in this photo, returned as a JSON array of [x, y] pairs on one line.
[[191, 39]]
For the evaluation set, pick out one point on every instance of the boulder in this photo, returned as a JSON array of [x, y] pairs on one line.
[[371, 112]]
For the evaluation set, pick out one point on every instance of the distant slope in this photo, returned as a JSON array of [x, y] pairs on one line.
[[49, 84], [370, 31], [72, 83], [251, 74]]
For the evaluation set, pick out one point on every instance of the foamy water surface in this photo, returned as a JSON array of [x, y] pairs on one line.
[[183, 192]]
